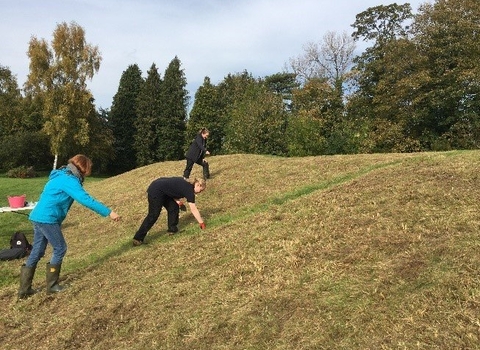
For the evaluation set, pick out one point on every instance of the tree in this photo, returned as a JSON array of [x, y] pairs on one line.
[[229, 91], [381, 24], [389, 106], [330, 60], [207, 112], [123, 116], [24, 148], [10, 102], [317, 121], [22, 143], [448, 81], [257, 123], [148, 118], [100, 148], [58, 75], [374, 106], [173, 113], [323, 71], [282, 84], [232, 88], [418, 88]]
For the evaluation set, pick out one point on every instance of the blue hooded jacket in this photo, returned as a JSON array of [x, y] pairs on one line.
[[62, 188]]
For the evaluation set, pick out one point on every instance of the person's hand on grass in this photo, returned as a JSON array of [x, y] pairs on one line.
[[114, 216]]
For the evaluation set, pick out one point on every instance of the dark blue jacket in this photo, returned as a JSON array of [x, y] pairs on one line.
[[197, 148]]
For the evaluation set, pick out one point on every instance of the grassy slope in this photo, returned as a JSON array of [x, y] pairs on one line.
[[341, 252]]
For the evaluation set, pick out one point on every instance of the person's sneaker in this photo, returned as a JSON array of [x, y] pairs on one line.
[[137, 242], [172, 230]]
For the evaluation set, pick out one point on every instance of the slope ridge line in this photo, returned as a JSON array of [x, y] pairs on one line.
[[297, 193]]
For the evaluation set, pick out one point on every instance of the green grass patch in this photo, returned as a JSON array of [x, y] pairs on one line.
[[343, 252]]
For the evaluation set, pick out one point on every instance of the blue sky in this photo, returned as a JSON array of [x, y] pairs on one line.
[[210, 37]]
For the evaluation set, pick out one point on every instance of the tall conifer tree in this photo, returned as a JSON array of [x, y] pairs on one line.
[[207, 112], [123, 116], [174, 102], [148, 118]]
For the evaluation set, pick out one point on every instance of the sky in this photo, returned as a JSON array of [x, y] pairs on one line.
[[211, 38]]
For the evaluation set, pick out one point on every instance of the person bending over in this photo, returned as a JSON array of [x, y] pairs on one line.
[[165, 192]]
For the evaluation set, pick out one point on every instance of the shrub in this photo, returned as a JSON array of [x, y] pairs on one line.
[[22, 172], [25, 149]]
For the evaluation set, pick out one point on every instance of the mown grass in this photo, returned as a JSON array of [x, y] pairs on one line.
[[341, 252]]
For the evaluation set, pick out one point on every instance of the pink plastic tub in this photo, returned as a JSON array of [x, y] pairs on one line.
[[16, 201]]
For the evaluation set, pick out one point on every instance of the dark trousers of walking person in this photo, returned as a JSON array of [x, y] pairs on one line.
[[202, 163], [155, 205]]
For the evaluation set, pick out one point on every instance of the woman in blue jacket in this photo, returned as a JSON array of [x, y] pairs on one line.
[[196, 154], [63, 187]]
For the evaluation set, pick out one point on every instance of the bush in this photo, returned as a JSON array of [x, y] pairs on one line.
[[22, 172], [25, 149]]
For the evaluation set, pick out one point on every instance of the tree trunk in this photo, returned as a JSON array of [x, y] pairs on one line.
[[55, 162]]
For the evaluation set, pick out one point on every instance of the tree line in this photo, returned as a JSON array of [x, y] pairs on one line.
[[414, 88]]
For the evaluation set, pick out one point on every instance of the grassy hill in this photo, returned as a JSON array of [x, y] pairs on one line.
[[338, 252]]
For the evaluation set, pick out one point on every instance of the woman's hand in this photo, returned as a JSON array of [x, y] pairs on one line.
[[114, 216]]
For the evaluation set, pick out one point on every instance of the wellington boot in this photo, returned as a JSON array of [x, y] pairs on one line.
[[53, 274], [26, 277]]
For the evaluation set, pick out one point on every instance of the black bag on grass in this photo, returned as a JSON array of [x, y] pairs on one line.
[[13, 253], [19, 240], [19, 247]]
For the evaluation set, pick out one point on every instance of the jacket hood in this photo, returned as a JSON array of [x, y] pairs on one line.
[[61, 171], [55, 173]]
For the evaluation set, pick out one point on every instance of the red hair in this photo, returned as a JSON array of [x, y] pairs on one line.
[[82, 163]]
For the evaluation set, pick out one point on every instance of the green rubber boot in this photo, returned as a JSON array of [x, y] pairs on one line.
[[53, 274], [26, 277]]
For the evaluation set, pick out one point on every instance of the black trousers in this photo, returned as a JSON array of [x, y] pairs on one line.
[[155, 205], [189, 167]]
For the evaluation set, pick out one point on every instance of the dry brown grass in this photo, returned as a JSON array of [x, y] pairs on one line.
[[342, 252]]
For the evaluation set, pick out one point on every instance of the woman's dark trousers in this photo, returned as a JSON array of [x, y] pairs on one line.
[[155, 205], [202, 163]]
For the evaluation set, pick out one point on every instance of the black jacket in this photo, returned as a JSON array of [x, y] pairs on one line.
[[173, 187], [197, 148]]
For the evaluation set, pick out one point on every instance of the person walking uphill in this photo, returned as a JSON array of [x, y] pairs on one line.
[[196, 154], [166, 192], [63, 187]]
